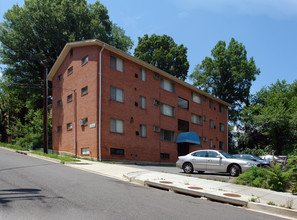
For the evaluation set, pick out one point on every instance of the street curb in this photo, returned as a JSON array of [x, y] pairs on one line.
[[291, 213], [275, 210], [188, 192]]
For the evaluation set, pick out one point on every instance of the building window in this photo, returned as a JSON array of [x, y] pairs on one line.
[[196, 119], [142, 131], [60, 77], [196, 98], [222, 127], [210, 104], [221, 145], [167, 85], [69, 126], [69, 98], [70, 70], [116, 151], [167, 135], [210, 143], [221, 108], [183, 103], [183, 125], [116, 126], [142, 74], [211, 123], [167, 110], [84, 91], [59, 102], [164, 156], [84, 60], [59, 129], [116, 94], [85, 151], [83, 122], [116, 63], [142, 102]]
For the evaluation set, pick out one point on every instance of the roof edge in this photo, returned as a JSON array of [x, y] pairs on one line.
[[90, 42]]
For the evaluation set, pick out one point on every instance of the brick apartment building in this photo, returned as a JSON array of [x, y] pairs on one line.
[[110, 105]]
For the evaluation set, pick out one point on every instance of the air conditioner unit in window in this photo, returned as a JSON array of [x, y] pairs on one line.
[[156, 76], [81, 122], [156, 129], [156, 102]]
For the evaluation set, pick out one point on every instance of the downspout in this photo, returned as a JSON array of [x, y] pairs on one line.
[[99, 112], [227, 132]]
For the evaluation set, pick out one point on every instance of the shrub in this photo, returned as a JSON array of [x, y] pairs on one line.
[[275, 178]]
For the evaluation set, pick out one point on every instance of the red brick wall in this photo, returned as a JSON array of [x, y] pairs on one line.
[[136, 147]]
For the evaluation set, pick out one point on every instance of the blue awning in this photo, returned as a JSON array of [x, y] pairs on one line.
[[188, 137]]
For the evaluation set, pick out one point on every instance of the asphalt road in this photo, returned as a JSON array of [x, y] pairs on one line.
[[31, 188], [224, 177]]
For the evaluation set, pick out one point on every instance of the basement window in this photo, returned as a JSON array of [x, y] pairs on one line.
[[116, 151], [85, 151], [164, 156]]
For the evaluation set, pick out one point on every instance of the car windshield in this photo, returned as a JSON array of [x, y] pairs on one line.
[[226, 155]]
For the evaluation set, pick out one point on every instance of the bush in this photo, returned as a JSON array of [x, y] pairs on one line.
[[275, 178]]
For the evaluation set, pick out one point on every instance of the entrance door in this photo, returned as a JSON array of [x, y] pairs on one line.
[[182, 149]]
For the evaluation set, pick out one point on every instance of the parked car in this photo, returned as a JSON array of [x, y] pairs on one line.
[[263, 163], [213, 160], [275, 159]]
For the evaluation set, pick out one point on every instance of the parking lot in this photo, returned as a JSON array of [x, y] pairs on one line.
[[224, 177]]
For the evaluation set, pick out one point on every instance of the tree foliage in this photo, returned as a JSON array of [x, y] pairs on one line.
[[37, 32], [164, 53], [271, 119], [228, 75]]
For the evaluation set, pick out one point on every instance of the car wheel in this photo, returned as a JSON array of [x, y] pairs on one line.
[[234, 170], [188, 168], [200, 172]]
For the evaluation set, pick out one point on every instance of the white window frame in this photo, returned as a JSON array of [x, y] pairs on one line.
[[196, 119], [142, 74], [196, 98], [70, 70], [84, 60], [69, 126], [116, 94], [167, 85], [170, 133], [118, 65], [142, 130], [142, 101], [181, 101], [211, 123], [85, 151], [116, 126], [69, 98], [210, 143], [167, 110], [84, 90]]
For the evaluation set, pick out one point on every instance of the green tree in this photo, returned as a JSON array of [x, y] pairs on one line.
[[40, 29], [37, 32], [228, 75], [164, 53], [272, 115]]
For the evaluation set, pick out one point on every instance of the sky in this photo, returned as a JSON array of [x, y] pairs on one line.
[[267, 29]]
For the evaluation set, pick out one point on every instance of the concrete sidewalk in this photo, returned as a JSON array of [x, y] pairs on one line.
[[285, 204]]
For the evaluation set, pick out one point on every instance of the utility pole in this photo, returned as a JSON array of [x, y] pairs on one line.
[[45, 85]]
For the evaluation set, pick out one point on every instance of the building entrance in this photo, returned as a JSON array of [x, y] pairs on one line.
[[182, 149]]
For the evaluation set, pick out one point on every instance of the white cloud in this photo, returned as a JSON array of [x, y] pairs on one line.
[[271, 8]]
